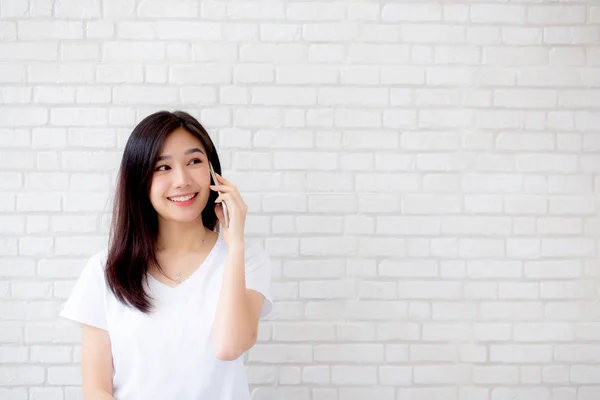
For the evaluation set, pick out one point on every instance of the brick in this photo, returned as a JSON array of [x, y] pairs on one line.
[[498, 13], [72, 116], [13, 8], [44, 30], [301, 74], [439, 375], [28, 51], [283, 96], [411, 12], [159, 9], [424, 393], [361, 353], [354, 375], [53, 95], [378, 53], [184, 30], [86, 9], [270, 52], [540, 393], [130, 51], [143, 95], [21, 375], [556, 14], [400, 75], [317, 11], [432, 33]]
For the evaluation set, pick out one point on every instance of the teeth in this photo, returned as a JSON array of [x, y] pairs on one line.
[[182, 198]]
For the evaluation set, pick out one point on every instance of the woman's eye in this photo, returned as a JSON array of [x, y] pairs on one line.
[[166, 167]]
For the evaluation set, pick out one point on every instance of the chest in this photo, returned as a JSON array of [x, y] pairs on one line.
[[179, 326], [175, 270]]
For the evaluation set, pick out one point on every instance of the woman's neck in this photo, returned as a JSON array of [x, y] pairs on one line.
[[176, 237]]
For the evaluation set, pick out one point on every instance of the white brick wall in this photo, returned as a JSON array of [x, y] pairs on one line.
[[423, 174]]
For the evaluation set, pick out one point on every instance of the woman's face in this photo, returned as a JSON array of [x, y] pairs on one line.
[[180, 183]]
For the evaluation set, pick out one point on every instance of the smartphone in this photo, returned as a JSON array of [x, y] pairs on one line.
[[223, 204]]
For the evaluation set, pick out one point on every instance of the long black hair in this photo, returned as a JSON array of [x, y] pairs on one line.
[[134, 228]]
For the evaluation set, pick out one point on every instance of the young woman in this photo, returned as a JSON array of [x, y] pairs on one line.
[[170, 308]]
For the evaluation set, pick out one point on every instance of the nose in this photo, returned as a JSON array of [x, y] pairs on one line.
[[181, 178]]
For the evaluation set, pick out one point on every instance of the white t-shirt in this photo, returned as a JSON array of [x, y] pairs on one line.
[[168, 353]]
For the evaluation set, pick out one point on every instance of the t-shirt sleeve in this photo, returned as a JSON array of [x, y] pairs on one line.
[[86, 303], [258, 275]]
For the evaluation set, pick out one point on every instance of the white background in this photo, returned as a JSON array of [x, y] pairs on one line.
[[423, 174]]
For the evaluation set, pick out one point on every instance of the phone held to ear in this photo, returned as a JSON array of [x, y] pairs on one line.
[[223, 204]]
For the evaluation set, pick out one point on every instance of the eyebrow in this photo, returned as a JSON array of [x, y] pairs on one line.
[[190, 151]]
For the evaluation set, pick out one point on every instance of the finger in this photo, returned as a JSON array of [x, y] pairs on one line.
[[228, 199], [223, 197], [221, 179], [222, 188], [225, 185], [234, 196]]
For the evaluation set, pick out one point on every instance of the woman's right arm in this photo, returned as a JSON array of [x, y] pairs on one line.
[[96, 364]]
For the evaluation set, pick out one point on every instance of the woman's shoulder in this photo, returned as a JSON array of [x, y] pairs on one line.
[[95, 266], [99, 259]]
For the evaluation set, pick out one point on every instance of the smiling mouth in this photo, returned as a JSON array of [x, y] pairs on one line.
[[179, 199]]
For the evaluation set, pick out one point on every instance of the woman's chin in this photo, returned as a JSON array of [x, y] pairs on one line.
[[183, 217]]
